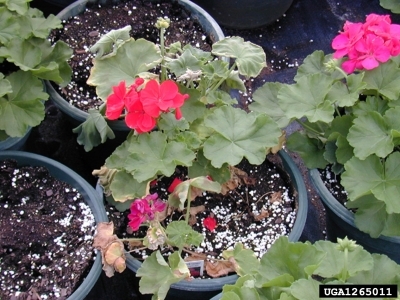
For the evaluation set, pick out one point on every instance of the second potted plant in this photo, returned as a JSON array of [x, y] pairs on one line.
[[348, 107], [26, 59]]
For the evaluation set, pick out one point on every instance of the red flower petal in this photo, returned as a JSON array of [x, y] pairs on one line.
[[173, 185], [115, 102], [210, 223]]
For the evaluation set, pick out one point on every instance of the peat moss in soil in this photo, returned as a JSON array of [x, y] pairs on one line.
[[267, 190], [84, 30], [46, 234]]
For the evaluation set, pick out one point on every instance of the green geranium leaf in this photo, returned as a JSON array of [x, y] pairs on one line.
[[219, 97], [5, 86], [371, 217], [384, 271], [202, 167], [22, 53], [336, 263], [132, 58], [41, 27], [93, 131], [393, 5], [24, 106], [370, 134], [152, 156], [301, 260], [157, 275], [385, 79], [347, 94], [106, 43], [363, 177], [238, 135], [266, 101], [309, 149], [315, 63], [180, 235], [182, 190], [186, 61], [19, 6], [307, 98], [243, 289], [192, 109], [118, 159], [124, 187], [8, 27], [372, 103], [305, 289], [250, 58], [171, 126], [245, 260], [233, 81]]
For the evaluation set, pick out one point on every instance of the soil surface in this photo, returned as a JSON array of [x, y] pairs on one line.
[[84, 30], [260, 207], [46, 235]]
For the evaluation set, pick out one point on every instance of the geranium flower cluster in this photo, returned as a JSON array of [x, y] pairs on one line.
[[144, 102], [367, 44], [143, 210]]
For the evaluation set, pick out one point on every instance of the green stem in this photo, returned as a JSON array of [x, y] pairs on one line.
[[188, 205], [344, 271], [223, 79], [308, 127], [162, 46]]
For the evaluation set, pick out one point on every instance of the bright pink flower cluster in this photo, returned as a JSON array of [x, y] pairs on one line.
[[367, 44], [144, 209], [144, 106]]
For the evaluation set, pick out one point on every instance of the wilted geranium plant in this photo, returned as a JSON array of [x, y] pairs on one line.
[[348, 106], [181, 115]]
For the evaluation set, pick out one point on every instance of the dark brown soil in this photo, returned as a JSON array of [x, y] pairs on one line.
[[83, 31], [46, 233], [265, 189]]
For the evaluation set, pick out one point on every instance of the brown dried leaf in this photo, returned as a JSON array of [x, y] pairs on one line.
[[219, 268], [196, 256], [196, 209], [119, 264], [104, 235], [263, 214], [237, 178], [132, 244], [113, 252], [276, 197]]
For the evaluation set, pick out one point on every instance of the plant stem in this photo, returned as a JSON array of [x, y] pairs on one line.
[[188, 205], [308, 127], [223, 79], [162, 46], [344, 271]]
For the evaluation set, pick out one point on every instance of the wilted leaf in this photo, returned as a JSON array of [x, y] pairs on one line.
[[219, 268]]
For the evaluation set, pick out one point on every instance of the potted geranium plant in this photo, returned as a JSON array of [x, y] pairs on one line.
[[347, 104], [181, 115], [27, 58], [297, 271]]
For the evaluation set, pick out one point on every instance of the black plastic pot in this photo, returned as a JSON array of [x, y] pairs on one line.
[[78, 116], [340, 223], [239, 14], [92, 198], [200, 289]]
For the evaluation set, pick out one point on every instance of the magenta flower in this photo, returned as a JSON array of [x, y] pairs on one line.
[[367, 44], [144, 209]]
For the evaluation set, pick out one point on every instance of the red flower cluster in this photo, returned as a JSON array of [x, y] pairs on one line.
[[144, 209], [144, 106], [367, 44]]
